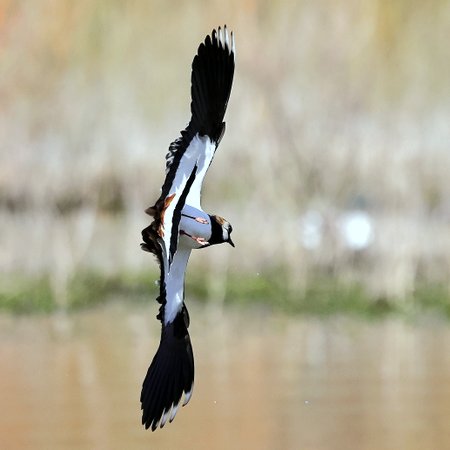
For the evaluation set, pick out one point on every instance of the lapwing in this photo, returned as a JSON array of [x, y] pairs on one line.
[[180, 225]]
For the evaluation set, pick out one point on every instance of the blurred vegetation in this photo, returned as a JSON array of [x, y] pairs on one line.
[[337, 107], [321, 297]]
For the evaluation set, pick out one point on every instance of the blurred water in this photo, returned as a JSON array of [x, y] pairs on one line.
[[262, 382]]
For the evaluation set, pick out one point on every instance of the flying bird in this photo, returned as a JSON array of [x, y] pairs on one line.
[[180, 225]]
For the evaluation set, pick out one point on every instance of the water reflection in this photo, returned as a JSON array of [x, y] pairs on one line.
[[262, 382]]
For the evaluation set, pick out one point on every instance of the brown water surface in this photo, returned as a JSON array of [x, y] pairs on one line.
[[262, 382]]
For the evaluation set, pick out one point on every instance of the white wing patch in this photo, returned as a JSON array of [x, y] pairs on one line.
[[206, 149], [174, 281]]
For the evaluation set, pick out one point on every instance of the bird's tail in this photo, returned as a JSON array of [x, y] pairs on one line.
[[211, 81], [170, 374]]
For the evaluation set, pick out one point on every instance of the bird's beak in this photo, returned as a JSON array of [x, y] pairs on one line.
[[230, 242]]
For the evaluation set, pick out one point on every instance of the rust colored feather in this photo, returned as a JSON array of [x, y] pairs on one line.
[[167, 203]]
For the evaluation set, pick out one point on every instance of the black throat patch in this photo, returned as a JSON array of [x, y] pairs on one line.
[[216, 231]]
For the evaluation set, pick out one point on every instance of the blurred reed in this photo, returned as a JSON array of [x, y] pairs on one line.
[[334, 164]]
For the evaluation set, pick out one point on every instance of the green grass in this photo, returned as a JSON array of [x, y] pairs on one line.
[[432, 297], [23, 295], [322, 296], [85, 289], [89, 288], [319, 297]]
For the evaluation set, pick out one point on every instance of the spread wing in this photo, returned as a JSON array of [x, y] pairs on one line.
[[191, 154]]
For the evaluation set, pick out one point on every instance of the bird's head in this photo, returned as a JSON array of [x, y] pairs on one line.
[[220, 231]]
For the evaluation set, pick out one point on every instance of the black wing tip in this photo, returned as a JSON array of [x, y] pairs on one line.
[[170, 375], [211, 82]]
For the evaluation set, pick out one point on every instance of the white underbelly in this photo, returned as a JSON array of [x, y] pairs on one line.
[[195, 227]]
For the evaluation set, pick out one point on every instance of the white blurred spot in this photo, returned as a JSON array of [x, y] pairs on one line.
[[311, 229], [356, 229]]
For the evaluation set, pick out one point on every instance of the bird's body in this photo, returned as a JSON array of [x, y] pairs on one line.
[[180, 225], [195, 228]]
